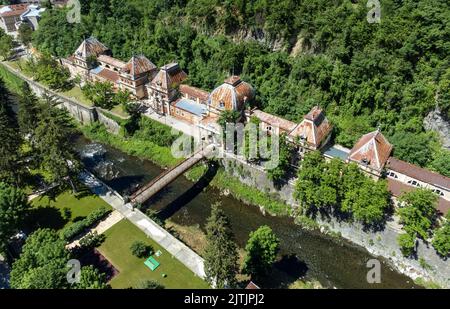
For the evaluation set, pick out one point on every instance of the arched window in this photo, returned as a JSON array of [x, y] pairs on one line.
[[414, 183], [393, 175], [438, 192]]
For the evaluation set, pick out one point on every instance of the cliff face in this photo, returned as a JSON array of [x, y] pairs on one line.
[[436, 122]]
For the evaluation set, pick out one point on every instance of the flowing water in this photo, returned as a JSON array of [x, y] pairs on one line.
[[335, 263]]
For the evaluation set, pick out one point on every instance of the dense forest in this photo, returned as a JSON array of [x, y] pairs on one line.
[[297, 54]]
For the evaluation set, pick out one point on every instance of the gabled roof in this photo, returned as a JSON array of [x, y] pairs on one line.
[[105, 73], [13, 10], [314, 128], [419, 173], [90, 47], [373, 150], [169, 76], [398, 188], [274, 121], [111, 61], [194, 92], [231, 95], [137, 65]]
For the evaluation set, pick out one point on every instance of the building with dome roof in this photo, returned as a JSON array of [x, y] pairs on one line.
[[232, 95]]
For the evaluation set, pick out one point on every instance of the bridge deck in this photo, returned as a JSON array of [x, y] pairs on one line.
[[165, 178]]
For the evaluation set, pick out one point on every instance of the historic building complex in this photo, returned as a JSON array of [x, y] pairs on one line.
[[163, 91]]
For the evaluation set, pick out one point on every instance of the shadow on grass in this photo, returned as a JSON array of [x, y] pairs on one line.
[[44, 217]]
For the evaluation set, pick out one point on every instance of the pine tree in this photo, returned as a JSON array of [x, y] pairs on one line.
[[221, 254], [10, 139], [28, 114], [53, 144]]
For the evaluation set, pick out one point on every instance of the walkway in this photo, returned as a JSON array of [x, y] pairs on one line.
[[179, 125], [175, 247], [103, 226]]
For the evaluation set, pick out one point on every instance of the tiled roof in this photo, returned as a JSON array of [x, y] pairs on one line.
[[107, 74], [138, 65], [194, 92], [13, 10], [398, 188], [274, 121], [111, 61], [373, 149], [314, 128], [418, 173], [252, 286], [170, 76], [231, 95], [90, 47]]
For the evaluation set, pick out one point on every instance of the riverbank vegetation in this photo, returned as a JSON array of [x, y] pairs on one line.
[[341, 190], [365, 75]]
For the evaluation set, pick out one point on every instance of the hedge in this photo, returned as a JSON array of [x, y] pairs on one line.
[[76, 228]]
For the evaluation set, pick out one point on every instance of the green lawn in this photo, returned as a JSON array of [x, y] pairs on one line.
[[118, 109], [116, 249], [76, 94], [48, 211]]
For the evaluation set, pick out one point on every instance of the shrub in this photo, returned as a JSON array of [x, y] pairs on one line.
[[150, 285], [141, 249], [441, 240], [407, 244], [76, 228]]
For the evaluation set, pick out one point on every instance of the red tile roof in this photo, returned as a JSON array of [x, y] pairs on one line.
[[374, 148], [274, 121], [111, 61], [418, 173], [15, 10], [170, 76], [138, 65], [314, 128], [110, 75], [252, 286], [398, 188], [231, 95], [90, 47], [194, 92]]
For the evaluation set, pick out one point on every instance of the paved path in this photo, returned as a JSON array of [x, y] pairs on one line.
[[103, 226], [175, 247]]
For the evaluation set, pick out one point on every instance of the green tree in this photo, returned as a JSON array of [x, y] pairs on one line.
[[141, 249], [286, 150], [48, 71], [6, 45], [441, 239], [228, 116], [441, 163], [13, 210], [221, 256], [418, 212], [412, 147], [309, 179], [10, 170], [28, 113], [25, 33], [54, 147], [101, 94], [367, 203], [261, 252], [91, 278], [42, 263], [407, 243]]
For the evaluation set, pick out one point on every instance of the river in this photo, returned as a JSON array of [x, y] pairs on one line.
[[309, 254]]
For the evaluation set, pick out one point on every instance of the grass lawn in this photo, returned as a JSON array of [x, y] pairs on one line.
[[118, 109], [116, 249], [48, 211], [76, 94]]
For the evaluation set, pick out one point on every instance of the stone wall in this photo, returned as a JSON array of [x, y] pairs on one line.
[[110, 124], [382, 243]]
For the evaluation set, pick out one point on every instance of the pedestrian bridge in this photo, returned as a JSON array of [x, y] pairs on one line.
[[146, 192]]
